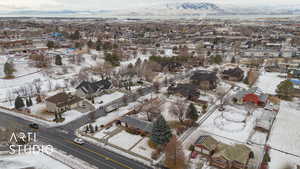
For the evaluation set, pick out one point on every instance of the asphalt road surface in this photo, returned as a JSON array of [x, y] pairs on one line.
[[95, 155]]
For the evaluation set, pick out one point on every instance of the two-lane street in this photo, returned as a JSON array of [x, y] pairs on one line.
[[90, 153]]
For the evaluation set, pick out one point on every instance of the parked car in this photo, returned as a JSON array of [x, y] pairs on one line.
[[34, 126], [78, 141]]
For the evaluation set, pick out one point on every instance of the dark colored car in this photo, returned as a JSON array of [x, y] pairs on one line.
[[34, 126]]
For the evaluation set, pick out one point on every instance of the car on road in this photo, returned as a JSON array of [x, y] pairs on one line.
[[78, 141], [34, 126]]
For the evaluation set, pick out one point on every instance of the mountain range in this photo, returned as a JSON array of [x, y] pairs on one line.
[[171, 9]]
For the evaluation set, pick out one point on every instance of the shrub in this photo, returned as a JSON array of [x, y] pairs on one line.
[[152, 144], [192, 148]]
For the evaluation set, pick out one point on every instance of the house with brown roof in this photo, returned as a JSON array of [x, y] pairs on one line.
[[222, 155], [235, 74], [62, 102], [227, 156], [205, 79], [205, 145]]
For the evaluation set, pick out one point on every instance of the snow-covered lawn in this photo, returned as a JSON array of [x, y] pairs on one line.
[[165, 111], [125, 140], [283, 161], [40, 111], [71, 115], [285, 134], [36, 160], [268, 82], [105, 132], [108, 98], [142, 148], [228, 124], [114, 115], [259, 138]]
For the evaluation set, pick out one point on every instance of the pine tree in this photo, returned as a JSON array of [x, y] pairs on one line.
[[58, 60], [91, 128], [90, 44], [27, 103], [19, 103], [50, 44], [161, 132], [233, 60], [9, 69], [192, 113], [30, 101], [56, 117]]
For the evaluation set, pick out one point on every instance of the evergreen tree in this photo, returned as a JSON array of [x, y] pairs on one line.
[[19, 103], [91, 128], [192, 113], [50, 44], [9, 69], [30, 101], [76, 35], [27, 103], [90, 44], [233, 60], [56, 117], [98, 45], [161, 132], [58, 60], [217, 59], [285, 89]]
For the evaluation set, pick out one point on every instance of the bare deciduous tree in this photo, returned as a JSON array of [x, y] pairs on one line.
[[152, 108], [178, 109]]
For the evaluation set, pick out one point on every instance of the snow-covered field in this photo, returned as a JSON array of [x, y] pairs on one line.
[[283, 161], [228, 124], [36, 160], [142, 148], [285, 134], [268, 82], [125, 140]]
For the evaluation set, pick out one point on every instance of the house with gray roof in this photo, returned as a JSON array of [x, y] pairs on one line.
[[92, 89], [136, 124]]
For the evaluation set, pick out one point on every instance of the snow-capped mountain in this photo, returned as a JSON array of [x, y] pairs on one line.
[[192, 6], [177, 8]]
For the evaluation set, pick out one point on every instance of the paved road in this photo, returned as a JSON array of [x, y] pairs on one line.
[[90, 153]]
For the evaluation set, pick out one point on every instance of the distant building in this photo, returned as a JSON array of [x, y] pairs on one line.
[[189, 91], [235, 74], [205, 79]]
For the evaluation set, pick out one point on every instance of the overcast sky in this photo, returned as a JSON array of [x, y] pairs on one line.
[[119, 4]]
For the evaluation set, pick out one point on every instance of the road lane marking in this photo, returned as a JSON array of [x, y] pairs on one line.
[[99, 154], [98, 160]]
